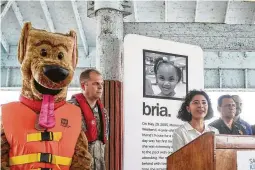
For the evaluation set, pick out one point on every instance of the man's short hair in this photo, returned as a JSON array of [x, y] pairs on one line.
[[227, 96], [85, 75]]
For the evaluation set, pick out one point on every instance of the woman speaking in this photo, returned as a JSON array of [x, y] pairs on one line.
[[195, 109]]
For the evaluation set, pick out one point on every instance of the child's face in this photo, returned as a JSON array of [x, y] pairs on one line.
[[167, 78]]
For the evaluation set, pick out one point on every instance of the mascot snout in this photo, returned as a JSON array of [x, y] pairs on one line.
[[55, 73]]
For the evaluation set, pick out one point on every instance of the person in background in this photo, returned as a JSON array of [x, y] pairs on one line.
[[95, 118], [253, 129], [195, 109], [167, 76], [226, 124], [239, 106]]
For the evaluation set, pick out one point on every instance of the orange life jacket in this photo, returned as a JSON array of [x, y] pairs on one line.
[[33, 149], [90, 119]]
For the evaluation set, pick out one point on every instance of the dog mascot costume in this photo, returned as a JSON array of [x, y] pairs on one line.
[[42, 131]]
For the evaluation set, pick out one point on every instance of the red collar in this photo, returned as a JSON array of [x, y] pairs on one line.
[[35, 105]]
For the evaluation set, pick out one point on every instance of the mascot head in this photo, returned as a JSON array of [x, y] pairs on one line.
[[47, 62]]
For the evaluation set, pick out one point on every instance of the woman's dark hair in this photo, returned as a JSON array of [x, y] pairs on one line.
[[184, 115], [161, 60]]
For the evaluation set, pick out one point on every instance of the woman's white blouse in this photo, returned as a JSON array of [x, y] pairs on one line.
[[186, 133]]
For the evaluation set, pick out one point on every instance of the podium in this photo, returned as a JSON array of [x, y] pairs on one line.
[[211, 152]]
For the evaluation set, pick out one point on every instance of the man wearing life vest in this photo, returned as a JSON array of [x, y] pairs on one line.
[[95, 119], [42, 131]]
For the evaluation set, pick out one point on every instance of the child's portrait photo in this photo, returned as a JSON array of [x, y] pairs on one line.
[[165, 75]]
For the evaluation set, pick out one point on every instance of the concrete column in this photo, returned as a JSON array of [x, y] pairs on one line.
[[109, 39]]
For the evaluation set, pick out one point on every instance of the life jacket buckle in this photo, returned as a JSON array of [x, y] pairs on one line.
[[46, 158], [47, 136]]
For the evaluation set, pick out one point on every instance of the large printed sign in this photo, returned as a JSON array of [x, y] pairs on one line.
[[157, 76], [246, 160]]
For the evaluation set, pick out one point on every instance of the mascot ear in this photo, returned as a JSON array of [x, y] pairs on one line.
[[75, 49], [23, 41]]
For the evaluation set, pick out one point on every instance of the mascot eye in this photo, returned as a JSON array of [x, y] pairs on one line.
[[43, 52], [60, 55]]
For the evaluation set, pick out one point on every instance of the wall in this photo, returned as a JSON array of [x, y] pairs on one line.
[[229, 50]]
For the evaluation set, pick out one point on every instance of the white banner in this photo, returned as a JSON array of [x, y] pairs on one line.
[[157, 76]]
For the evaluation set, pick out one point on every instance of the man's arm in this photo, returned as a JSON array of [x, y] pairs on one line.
[[249, 129], [215, 124], [253, 129], [107, 121]]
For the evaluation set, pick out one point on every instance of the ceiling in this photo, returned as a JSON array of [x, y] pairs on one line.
[[61, 16]]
